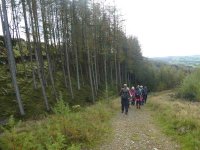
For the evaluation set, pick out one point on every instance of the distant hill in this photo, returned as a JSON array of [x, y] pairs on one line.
[[191, 61]]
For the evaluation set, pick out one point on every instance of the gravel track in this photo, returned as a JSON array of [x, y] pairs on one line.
[[137, 131]]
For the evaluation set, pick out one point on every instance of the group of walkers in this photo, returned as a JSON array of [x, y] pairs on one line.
[[134, 96]]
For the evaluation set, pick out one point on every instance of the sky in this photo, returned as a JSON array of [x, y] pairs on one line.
[[163, 27]]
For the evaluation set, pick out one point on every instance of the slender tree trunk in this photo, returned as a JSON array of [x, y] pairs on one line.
[[81, 70], [116, 71], [28, 42], [74, 40], [95, 47], [61, 53], [111, 73], [105, 73], [119, 72], [85, 38], [38, 58], [11, 59], [93, 76], [52, 36], [47, 50], [115, 49], [90, 73], [66, 48], [68, 71], [95, 70], [16, 30], [38, 41]]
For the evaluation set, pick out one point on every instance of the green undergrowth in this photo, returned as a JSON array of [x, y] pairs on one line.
[[67, 129], [190, 87], [178, 119], [33, 100]]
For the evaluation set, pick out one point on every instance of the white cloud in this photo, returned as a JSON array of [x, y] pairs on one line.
[[164, 27]]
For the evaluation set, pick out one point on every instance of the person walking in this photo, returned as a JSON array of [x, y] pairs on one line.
[[138, 97], [142, 94], [132, 93], [145, 94], [124, 93]]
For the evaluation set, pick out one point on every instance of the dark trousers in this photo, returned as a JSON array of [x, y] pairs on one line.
[[145, 98], [124, 104], [138, 103], [133, 101]]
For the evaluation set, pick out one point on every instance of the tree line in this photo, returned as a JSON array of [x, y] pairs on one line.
[[76, 43], [82, 39]]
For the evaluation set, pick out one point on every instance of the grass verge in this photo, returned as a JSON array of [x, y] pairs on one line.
[[179, 119], [67, 129]]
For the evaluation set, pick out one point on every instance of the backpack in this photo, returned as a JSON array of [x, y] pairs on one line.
[[145, 91], [125, 93], [137, 93]]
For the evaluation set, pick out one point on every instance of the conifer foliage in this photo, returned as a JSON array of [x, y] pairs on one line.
[[77, 41]]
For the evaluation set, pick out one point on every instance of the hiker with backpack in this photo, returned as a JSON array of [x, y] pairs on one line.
[[142, 94], [132, 93], [145, 94], [125, 95], [138, 97]]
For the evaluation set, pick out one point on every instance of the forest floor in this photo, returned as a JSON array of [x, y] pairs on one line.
[[138, 131]]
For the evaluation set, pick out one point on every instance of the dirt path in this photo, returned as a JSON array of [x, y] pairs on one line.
[[137, 131]]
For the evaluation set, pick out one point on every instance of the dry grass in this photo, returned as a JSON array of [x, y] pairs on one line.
[[178, 117]]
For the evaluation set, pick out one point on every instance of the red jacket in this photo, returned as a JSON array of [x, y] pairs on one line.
[[132, 92]]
